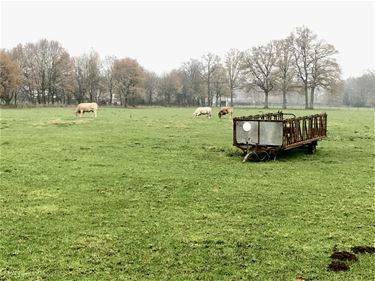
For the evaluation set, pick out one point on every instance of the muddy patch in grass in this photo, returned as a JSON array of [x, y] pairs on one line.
[[363, 249], [344, 256], [338, 266], [341, 259]]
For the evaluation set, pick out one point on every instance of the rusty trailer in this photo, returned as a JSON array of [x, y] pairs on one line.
[[263, 136]]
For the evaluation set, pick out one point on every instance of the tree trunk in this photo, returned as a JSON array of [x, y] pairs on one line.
[[312, 93], [6, 97], [110, 96], [265, 99], [306, 98], [44, 97], [217, 100], [49, 95], [284, 98], [208, 92], [231, 97], [68, 101], [53, 96], [91, 96]]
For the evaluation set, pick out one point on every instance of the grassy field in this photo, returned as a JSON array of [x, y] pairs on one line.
[[152, 194]]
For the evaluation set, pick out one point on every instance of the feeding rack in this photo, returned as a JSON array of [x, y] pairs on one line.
[[262, 136]]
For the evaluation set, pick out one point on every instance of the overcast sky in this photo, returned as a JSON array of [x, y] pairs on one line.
[[162, 35]]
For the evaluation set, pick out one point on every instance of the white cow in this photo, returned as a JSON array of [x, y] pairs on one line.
[[202, 111], [86, 107]]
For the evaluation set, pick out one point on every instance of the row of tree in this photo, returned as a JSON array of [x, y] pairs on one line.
[[45, 73]]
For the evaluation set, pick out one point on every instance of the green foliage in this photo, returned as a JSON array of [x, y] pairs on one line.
[[152, 194]]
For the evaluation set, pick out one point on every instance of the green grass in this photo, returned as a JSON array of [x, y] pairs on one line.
[[152, 194]]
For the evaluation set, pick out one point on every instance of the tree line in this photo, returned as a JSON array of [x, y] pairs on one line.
[[45, 73]]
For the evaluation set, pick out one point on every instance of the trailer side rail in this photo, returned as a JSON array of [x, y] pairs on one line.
[[304, 129]]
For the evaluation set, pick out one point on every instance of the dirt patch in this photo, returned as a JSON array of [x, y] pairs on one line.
[[344, 256], [363, 249], [59, 122], [338, 263], [338, 266]]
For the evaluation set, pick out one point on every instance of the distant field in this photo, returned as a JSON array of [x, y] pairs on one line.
[[152, 194]]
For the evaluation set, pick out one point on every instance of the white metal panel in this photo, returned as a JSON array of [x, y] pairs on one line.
[[270, 133], [250, 137]]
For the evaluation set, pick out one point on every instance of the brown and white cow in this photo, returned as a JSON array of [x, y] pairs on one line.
[[225, 110]]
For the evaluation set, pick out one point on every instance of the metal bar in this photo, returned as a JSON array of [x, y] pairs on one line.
[[298, 144]]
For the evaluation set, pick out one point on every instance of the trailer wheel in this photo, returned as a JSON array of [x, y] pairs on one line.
[[311, 149]]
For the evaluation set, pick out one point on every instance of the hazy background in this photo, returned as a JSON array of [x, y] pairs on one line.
[[162, 35]]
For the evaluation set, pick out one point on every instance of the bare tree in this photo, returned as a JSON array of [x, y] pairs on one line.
[[87, 74], [302, 52], [59, 72], [285, 68], [360, 91], [128, 79], [314, 63], [259, 68], [46, 70], [18, 55], [10, 77], [233, 61], [334, 95], [169, 87], [61, 79], [93, 82], [81, 77], [33, 71], [38, 55], [151, 86], [192, 82], [210, 65], [107, 67], [220, 84], [325, 71]]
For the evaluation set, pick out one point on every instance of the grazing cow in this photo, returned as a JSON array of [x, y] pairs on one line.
[[86, 107], [225, 110], [202, 111]]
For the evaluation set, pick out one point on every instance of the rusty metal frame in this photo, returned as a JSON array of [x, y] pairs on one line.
[[297, 132]]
